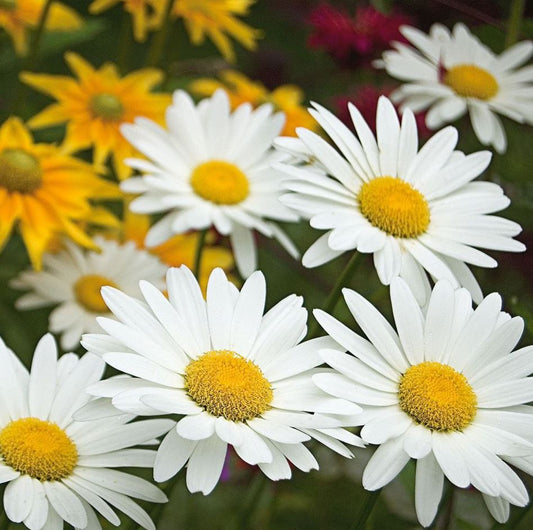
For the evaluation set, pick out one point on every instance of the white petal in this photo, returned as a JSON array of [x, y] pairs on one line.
[[428, 489], [66, 503], [172, 455], [42, 387], [388, 460], [205, 465]]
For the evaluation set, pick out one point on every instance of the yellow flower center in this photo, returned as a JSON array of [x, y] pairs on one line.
[[38, 448], [19, 171], [107, 106], [87, 292], [227, 385], [471, 81], [220, 182], [9, 5], [437, 396], [393, 206]]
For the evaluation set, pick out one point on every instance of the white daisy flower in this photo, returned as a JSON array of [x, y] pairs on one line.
[[211, 168], [57, 469], [450, 73], [72, 279], [235, 375], [414, 210], [445, 389]]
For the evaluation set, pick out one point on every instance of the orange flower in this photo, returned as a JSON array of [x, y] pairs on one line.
[[96, 105]]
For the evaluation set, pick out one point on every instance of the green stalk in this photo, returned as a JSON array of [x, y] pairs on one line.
[[159, 39], [200, 245], [366, 510], [33, 53], [255, 490], [516, 14], [334, 295]]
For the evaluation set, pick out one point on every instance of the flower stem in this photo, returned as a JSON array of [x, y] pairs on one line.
[[366, 510], [514, 22], [31, 59], [256, 490], [199, 251], [334, 295], [159, 39]]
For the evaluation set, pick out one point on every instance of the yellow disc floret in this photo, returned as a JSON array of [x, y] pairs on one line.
[[393, 206], [87, 292], [228, 385], [471, 81], [437, 396], [38, 448], [19, 171], [107, 106], [220, 182]]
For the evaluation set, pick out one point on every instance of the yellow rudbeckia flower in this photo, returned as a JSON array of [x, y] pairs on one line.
[[241, 89], [17, 16], [96, 105], [45, 191], [216, 19], [142, 12]]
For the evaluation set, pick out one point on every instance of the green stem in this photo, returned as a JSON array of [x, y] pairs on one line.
[[334, 295], [124, 42], [256, 490], [159, 39], [33, 53], [516, 14], [199, 251], [366, 510]]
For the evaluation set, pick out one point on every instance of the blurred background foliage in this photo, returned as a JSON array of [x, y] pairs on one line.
[[329, 498]]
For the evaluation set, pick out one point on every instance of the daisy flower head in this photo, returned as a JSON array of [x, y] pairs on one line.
[[57, 468], [211, 168], [143, 13], [414, 210], [234, 375], [71, 280], [445, 388], [450, 73], [18, 17], [44, 191], [217, 19], [96, 104]]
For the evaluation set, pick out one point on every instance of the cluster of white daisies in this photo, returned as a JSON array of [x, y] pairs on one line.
[[443, 387]]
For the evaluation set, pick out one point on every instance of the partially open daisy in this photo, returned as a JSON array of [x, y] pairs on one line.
[[412, 209], [235, 375], [211, 168], [450, 73], [143, 12], [57, 469], [18, 17], [72, 279], [44, 191], [445, 389], [96, 104], [286, 98], [217, 19]]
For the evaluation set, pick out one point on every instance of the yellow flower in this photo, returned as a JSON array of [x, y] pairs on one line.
[[215, 18], [143, 13], [179, 249], [45, 191], [96, 105], [241, 89], [17, 16]]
